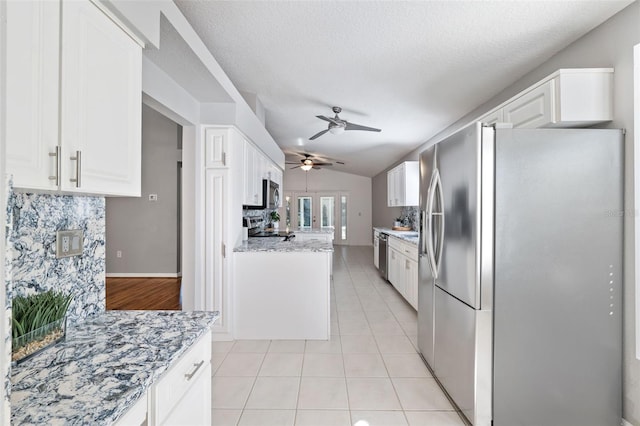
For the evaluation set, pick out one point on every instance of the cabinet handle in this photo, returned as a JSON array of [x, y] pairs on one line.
[[78, 160], [224, 158], [57, 175], [197, 366]]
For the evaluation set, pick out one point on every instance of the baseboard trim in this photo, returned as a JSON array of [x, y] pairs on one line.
[[144, 275]]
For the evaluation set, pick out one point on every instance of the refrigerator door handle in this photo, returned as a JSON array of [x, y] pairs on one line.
[[430, 214], [440, 214], [423, 233]]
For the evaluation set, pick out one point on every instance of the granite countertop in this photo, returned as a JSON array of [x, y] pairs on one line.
[[103, 367], [277, 244], [409, 236], [323, 230]]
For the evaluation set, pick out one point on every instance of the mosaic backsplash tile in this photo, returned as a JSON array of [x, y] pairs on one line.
[[33, 220]]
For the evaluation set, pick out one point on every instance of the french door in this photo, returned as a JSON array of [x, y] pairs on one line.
[[306, 210]]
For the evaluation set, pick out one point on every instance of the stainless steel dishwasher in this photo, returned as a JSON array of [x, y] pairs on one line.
[[382, 255]]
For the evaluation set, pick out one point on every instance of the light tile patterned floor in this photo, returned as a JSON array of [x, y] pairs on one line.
[[368, 374]]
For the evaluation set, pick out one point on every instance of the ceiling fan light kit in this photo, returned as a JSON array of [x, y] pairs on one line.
[[337, 125], [308, 163]]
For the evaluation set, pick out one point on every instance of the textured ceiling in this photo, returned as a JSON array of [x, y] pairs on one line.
[[409, 68]]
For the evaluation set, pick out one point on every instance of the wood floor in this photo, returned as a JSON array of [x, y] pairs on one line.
[[143, 293]]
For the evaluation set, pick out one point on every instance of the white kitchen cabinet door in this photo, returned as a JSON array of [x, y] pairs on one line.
[[182, 396], [533, 109], [402, 184], [493, 117], [194, 409], [411, 282], [215, 147], [397, 270], [101, 101], [391, 188], [253, 171], [32, 79], [214, 294]]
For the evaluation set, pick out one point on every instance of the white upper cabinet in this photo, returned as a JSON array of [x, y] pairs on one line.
[[97, 148], [402, 184], [566, 98], [216, 141], [256, 168], [531, 110], [493, 117], [33, 48]]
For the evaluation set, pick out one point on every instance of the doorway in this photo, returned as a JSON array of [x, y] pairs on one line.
[[327, 209]]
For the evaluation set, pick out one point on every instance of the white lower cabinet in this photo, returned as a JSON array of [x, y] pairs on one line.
[[403, 269], [411, 282], [182, 395], [136, 415]]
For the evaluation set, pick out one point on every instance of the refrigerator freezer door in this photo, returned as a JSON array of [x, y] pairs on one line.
[[426, 317], [558, 277], [459, 158], [455, 350]]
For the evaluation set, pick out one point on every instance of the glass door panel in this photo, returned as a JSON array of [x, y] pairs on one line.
[[305, 212], [327, 209]]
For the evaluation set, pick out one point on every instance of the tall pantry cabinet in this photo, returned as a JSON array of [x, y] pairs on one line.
[[73, 99]]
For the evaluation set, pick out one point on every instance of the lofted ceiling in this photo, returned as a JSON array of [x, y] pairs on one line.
[[409, 68]]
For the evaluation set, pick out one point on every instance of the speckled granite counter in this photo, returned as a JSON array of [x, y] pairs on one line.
[[409, 236], [325, 230], [277, 244], [103, 367]]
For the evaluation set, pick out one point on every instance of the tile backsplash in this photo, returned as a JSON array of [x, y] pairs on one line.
[[411, 217], [32, 222]]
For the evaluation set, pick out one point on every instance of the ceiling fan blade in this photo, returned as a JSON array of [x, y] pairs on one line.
[[340, 162], [351, 126], [291, 162], [317, 135], [330, 120], [291, 168], [322, 164]]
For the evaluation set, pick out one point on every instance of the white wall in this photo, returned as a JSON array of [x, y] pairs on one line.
[[358, 204]]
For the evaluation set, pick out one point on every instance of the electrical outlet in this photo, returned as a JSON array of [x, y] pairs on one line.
[[69, 243], [118, 254]]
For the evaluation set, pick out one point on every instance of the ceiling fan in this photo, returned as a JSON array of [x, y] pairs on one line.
[[338, 125], [308, 163]]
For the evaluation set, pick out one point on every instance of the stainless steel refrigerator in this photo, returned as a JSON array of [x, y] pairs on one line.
[[520, 291]]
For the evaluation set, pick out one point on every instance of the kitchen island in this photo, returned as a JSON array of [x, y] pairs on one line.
[[281, 289], [107, 365]]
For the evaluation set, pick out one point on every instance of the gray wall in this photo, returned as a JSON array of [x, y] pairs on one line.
[[609, 45], [383, 216], [146, 231]]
